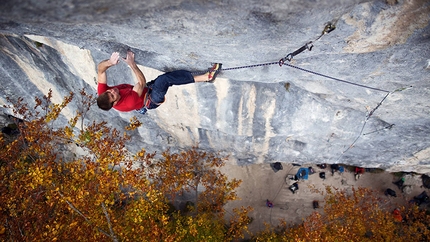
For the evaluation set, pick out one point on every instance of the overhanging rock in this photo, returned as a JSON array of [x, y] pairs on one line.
[[257, 114]]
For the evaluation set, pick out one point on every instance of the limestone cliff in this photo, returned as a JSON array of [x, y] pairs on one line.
[[258, 114]]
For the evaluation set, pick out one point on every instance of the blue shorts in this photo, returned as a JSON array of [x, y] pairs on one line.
[[158, 87]]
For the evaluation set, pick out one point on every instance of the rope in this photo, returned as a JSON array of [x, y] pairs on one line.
[[238, 67], [364, 125], [332, 78], [298, 68], [328, 28], [250, 66], [336, 79], [384, 128]]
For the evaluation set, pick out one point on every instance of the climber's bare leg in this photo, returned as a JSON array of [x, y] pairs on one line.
[[201, 78]]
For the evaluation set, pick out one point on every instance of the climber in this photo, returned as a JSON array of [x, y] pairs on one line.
[[142, 96]]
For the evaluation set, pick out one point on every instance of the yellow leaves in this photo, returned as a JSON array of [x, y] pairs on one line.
[[354, 217], [53, 114], [141, 153], [134, 124], [74, 120], [69, 132], [60, 199], [39, 176], [109, 202], [164, 219], [192, 227]]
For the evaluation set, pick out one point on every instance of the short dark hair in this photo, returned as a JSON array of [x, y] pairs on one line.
[[103, 102]]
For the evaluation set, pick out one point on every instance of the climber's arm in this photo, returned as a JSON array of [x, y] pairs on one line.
[[141, 80], [104, 65]]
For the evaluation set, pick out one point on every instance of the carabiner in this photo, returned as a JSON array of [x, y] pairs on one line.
[[289, 57], [328, 28]]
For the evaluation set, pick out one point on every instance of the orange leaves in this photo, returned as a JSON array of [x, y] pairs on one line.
[[196, 172], [134, 124], [353, 216], [239, 223], [69, 132], [188, 170], [141, 153], [39, 176], [106, 193]]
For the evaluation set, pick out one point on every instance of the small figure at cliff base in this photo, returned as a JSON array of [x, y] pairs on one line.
[[142, 96]]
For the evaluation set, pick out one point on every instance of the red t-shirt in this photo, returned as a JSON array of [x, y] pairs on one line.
[[129, 101]]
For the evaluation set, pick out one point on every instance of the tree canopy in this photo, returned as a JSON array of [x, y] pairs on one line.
[[105, 193], [354, 215]]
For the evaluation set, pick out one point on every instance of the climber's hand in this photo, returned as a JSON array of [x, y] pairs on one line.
[[114, 58], [130, 58]]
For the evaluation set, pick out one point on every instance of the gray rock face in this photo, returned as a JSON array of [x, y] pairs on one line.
[[258, 114]]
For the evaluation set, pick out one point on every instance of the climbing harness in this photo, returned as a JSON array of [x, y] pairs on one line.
[[148, 103], [308, 46]]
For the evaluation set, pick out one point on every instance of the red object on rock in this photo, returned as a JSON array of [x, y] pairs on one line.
[[359, 170], [397, 216]]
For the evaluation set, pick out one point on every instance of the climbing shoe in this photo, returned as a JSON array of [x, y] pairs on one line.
[[213, 72]]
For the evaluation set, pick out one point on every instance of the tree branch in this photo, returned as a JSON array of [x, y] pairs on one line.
[[109, 223], [80, 213]]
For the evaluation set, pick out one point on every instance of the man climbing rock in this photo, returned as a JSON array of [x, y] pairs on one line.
[[142, 96]]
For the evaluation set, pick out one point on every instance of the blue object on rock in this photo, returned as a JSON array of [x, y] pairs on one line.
[[302, 173]]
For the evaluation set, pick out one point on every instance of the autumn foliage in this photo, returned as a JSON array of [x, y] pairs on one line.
[[105, 193], [355, 215]]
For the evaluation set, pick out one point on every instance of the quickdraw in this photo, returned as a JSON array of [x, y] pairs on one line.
[[327, 29], [308, 46]]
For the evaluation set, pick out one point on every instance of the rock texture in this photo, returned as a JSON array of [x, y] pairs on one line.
[[259, 114]]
